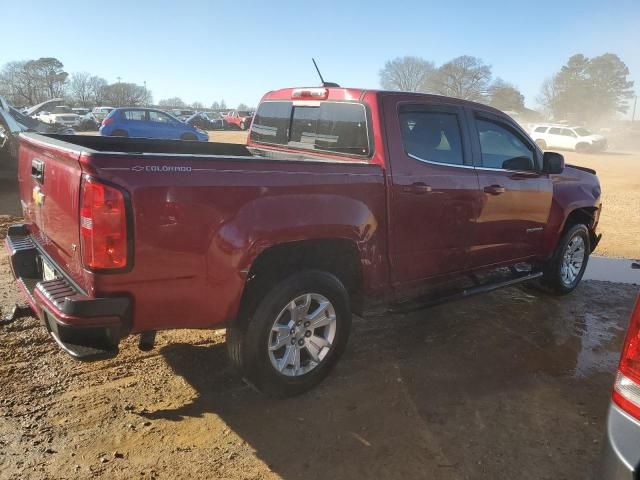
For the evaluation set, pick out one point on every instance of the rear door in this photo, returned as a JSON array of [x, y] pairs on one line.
[[516, 195], [555, 138], [136, 123], [433, 189]]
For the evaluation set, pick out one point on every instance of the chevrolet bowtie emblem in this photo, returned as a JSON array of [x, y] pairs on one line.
[[38, 196]]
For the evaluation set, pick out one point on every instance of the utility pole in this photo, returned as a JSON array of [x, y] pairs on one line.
[[120, 99], [633, 115], [145, 93]]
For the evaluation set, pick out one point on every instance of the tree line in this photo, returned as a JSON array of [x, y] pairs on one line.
[[583, 89], [29, 82]]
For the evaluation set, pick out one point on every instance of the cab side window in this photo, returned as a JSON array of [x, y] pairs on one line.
[[432, 136], [502, 148]]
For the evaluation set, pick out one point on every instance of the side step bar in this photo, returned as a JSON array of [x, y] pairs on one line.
[[419, 304]]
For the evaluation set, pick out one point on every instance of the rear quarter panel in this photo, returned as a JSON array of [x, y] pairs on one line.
[[200, 223]]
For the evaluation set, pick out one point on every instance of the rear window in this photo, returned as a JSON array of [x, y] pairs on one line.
[[339, 127]]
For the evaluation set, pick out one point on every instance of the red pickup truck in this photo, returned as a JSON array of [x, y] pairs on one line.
[[343, 200]]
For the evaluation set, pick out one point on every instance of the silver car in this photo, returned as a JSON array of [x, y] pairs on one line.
[[621, 455]]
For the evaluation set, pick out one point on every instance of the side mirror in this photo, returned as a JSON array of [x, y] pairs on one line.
[[552, 163]]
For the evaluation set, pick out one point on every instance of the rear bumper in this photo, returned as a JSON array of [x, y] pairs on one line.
[[88, 328], [621, 452]]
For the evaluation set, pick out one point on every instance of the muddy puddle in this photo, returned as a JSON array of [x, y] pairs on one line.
[[617, 270]]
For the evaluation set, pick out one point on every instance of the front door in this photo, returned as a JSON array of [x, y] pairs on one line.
[[516, 195], [433, 190]]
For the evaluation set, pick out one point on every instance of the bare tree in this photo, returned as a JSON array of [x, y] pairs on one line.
[[407, 74], [215, 106], [197, 105], [97, 86], [33, 81], [242, 106], [505, 96], [123, 94], [173, 102], [463, 77], [79, 88]]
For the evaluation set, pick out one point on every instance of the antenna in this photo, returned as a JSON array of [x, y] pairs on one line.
[[324, 84]]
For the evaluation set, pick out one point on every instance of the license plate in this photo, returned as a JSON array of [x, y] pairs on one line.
[[48, 273]]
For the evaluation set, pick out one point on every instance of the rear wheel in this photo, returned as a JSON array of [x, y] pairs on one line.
[[296, 334], [565, 269], [119, 133], [542, 144]]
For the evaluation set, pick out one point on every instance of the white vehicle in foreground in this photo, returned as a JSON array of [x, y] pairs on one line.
[[567, 137], [62, 115]]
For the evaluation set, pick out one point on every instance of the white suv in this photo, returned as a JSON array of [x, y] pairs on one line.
[[572, 138]]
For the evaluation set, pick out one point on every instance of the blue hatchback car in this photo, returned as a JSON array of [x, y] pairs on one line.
[[148, 123]]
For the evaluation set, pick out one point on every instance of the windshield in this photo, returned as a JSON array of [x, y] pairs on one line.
[[582, 132]]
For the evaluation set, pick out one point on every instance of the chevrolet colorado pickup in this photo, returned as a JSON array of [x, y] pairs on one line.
[[343, 200]]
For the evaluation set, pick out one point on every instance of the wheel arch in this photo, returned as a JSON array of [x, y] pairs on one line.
[[337, 256]]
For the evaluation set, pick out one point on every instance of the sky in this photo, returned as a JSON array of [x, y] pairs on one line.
[[238, 50]]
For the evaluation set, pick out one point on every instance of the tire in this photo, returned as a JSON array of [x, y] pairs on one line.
[[582, 147], [542, 144], [555, 278], [119, 133], [281, 372], [188, 136]]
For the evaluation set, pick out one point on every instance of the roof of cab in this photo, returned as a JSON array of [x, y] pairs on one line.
[[345, 93]]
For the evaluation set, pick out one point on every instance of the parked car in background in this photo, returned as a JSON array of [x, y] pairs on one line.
[[89, 122], [621, 454], [391, 196], [80, 111], [148, 123], [61, 114], [238, 118], [46, 106], [206, 121], [567, 137], [181, 114], [103, 110]]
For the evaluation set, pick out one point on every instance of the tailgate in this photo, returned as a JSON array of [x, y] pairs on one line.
[[49, 175]]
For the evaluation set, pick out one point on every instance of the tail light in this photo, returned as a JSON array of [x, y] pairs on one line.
[[107, 121], [103, 226], [626, 390]]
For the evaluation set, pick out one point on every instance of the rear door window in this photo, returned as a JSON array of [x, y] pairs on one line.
[[134, 114], [541, 129], [339, 127], [555, 131], [432, 136]]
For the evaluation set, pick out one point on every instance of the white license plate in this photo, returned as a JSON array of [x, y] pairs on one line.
[[48, 273]]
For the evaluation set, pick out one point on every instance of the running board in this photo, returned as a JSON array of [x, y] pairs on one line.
[[415, 305]]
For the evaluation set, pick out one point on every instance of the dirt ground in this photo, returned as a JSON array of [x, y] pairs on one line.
[[506, 385]]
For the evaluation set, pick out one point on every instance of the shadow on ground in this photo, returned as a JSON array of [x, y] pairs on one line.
[[506, 385]]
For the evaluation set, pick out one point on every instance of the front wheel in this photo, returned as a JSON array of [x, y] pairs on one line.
[[295, 335], [565, 269]]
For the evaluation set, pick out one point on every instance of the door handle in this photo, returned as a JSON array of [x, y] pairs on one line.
[[495, 189], [417, 188]]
